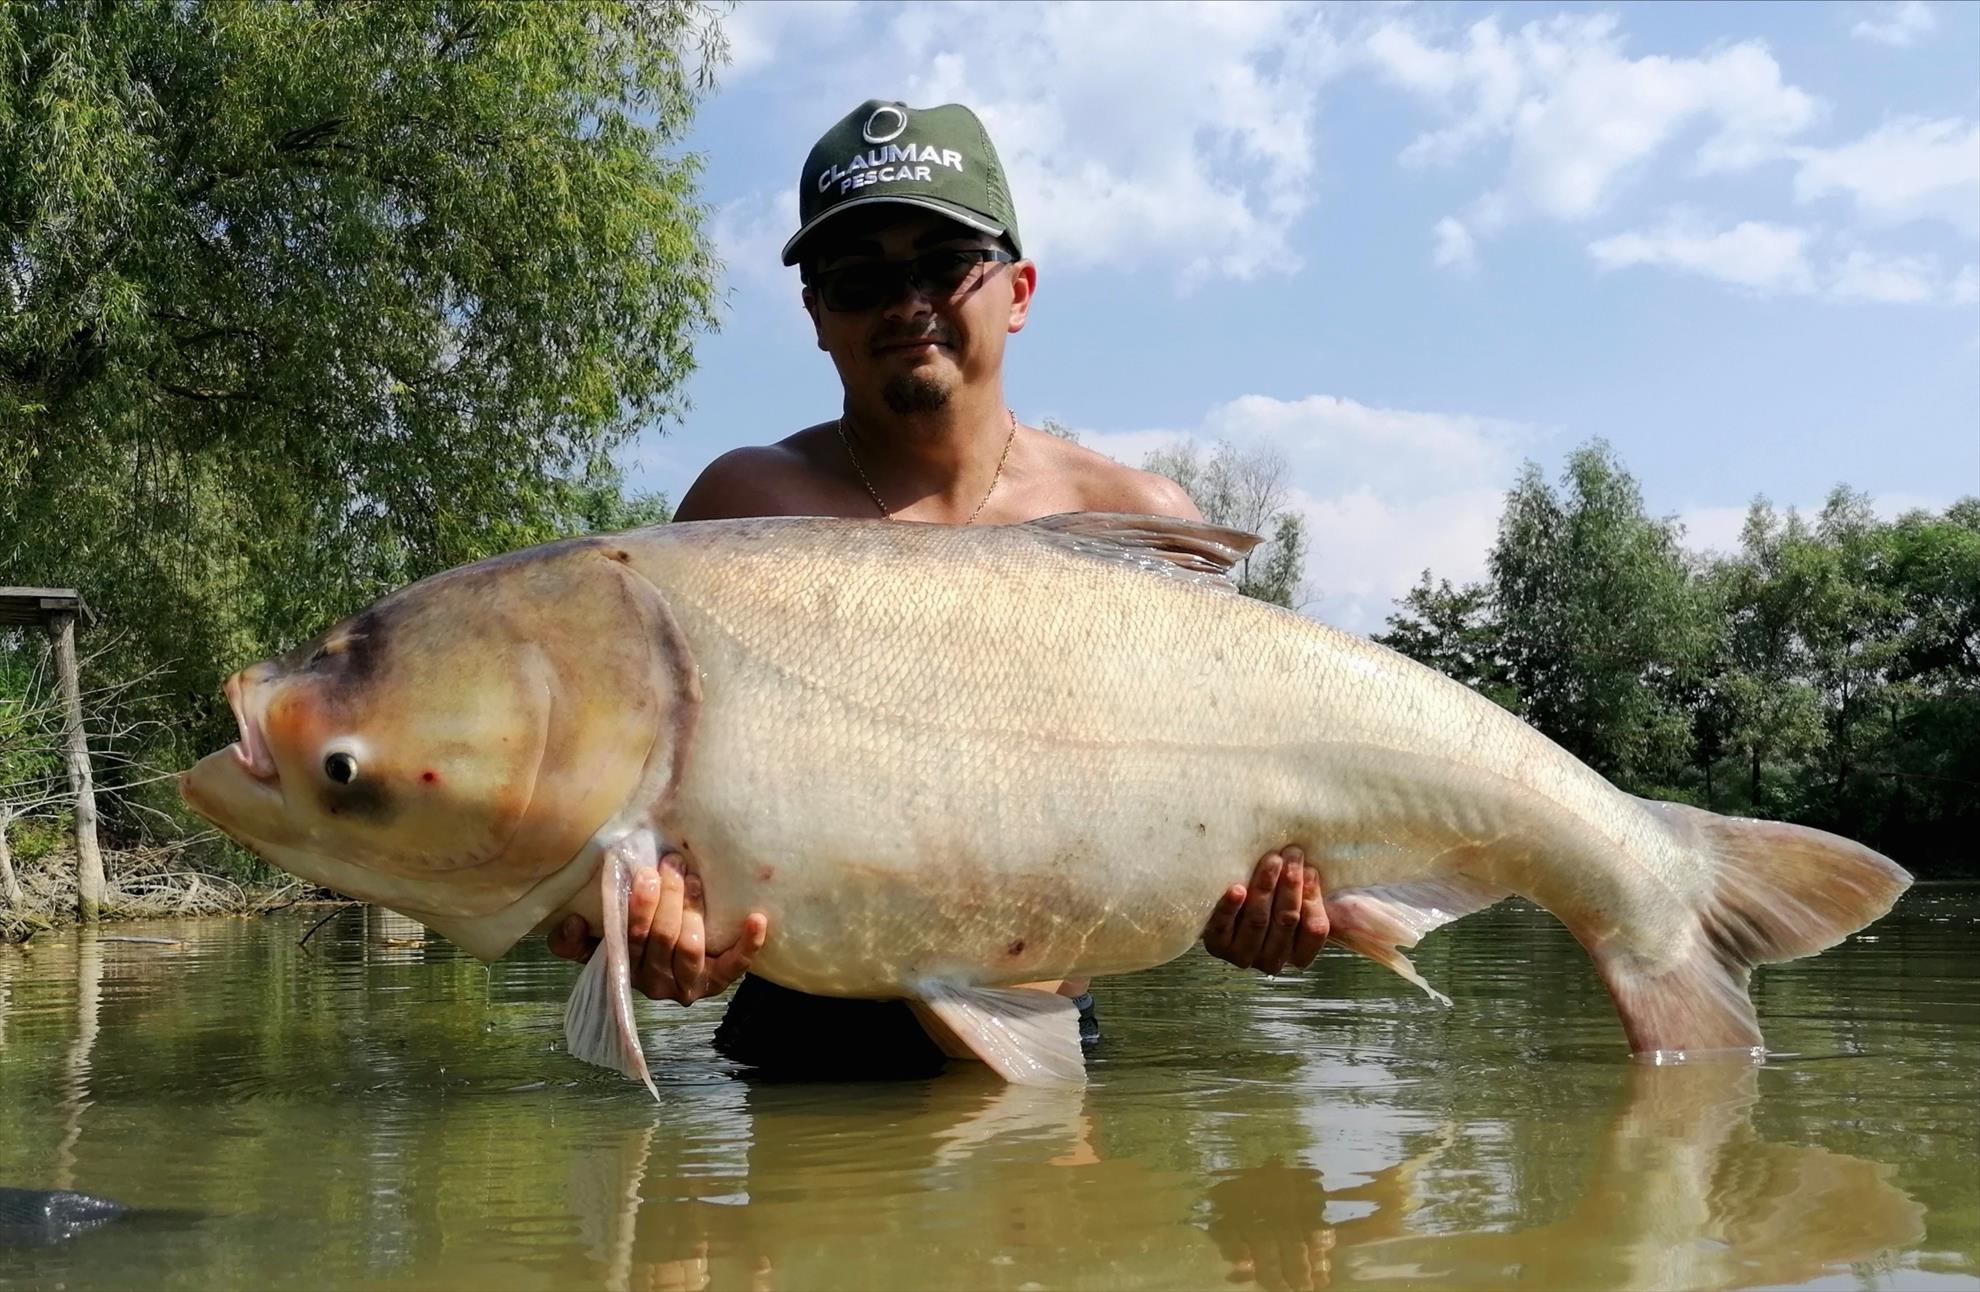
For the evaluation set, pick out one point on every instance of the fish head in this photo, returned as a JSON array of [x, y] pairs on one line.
[[449, 749]]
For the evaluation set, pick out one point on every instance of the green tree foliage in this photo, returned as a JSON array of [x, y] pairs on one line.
[[301, 301], [1599, 627], [1827, 673], [1453, 630], [1247, 490]]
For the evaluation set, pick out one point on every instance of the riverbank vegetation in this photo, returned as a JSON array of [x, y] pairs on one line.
[[1826, 673], [299, 303]]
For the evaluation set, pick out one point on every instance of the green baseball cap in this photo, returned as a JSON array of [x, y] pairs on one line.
[[939, 159]]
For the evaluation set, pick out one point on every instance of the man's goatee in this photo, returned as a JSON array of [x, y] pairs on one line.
[[914, 394]]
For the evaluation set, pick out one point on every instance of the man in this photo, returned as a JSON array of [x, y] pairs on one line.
[[913, 277]]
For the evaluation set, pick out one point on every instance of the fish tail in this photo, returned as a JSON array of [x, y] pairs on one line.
[[1779, 891]]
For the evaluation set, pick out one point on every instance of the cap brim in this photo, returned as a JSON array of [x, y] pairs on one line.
[[960, 214]]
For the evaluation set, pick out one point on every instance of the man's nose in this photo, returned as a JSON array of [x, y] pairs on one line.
[[912, 301]]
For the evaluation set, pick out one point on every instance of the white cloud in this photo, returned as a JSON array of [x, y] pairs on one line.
[[1772, 258], [1768, 257], [757, 33], [1386, 492], [749, 234], [1899, 25], [1364, 550], [1580, 118], [1455, 248], [1901, 280], [1333, 440], [1965, 289], [1907, 169]]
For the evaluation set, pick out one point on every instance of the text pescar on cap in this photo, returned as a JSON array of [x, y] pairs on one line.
[[939, 159]]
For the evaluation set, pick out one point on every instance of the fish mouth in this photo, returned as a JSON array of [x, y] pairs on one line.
[[251, 750]]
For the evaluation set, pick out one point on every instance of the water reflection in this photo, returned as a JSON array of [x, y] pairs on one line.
[[371, 1113], [1683, 1193], [76, 1065]]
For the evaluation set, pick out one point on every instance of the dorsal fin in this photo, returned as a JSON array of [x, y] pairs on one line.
[[1191, 549]]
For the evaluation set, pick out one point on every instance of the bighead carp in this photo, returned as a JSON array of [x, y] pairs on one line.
[[945, 761]]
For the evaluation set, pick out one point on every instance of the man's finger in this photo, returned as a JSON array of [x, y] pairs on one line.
[[655, 973], [690, 952], [1283, 930], [642, 904], [1257, 917], [1313, 924], [733, 963], [1217, 933]]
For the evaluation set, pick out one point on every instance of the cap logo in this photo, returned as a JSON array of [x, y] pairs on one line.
[[885, 125]]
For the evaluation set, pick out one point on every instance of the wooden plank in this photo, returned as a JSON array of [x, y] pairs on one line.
[[36, 605]]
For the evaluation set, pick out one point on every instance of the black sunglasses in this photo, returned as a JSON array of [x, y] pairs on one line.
[[940, 273]]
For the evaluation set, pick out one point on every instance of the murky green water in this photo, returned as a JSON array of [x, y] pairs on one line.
[[382, 1112]]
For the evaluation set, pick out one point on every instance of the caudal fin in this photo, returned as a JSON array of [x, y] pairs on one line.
[[1780, 891]]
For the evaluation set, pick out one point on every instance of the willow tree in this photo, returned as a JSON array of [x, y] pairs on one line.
[[299, 301]]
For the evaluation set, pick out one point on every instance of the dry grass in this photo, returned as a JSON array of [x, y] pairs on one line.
[[143, 884]]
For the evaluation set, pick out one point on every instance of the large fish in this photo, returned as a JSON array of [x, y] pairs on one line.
[[945, 761]]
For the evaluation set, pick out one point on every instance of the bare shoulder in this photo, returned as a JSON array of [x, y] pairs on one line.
[[781, 479], [1101, 484]]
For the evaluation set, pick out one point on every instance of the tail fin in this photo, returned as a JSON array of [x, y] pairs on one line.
[[1780, 891]]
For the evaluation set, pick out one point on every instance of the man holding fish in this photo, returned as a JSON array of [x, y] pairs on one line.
[[957, 764], [913, 276]]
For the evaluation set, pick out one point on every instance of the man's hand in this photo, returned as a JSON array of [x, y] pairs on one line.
[[1278, 921], [665, 937]]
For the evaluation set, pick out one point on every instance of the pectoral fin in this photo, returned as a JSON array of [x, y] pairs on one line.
[[1026, 1036], [599, 1026]]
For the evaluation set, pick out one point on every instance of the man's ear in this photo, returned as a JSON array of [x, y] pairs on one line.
[[811, 307], [1024, 283]]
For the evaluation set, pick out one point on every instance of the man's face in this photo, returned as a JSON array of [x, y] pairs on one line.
[[917, 348]]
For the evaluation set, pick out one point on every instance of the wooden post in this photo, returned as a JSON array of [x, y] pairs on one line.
[[89, 860], [10, 884]]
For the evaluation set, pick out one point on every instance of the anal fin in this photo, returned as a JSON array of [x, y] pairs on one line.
[[599, 1024], [1378, 921], [1026, 1036]]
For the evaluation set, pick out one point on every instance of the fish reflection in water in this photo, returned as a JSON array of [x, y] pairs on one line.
[[1681, 1193]]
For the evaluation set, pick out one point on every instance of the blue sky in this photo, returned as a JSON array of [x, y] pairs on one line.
[[1411, 246]]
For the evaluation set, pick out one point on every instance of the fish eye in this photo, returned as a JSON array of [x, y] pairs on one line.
[[340, 767]]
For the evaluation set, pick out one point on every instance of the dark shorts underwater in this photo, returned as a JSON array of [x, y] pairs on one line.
[[788, 1035]]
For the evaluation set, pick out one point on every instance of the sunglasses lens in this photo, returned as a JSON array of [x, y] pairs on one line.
[[861, 287], [943, 271]]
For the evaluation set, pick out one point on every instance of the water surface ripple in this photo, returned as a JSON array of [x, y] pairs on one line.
[[381, 1111]]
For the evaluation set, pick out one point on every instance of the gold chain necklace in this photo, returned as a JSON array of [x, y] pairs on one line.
[[875, 493]]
